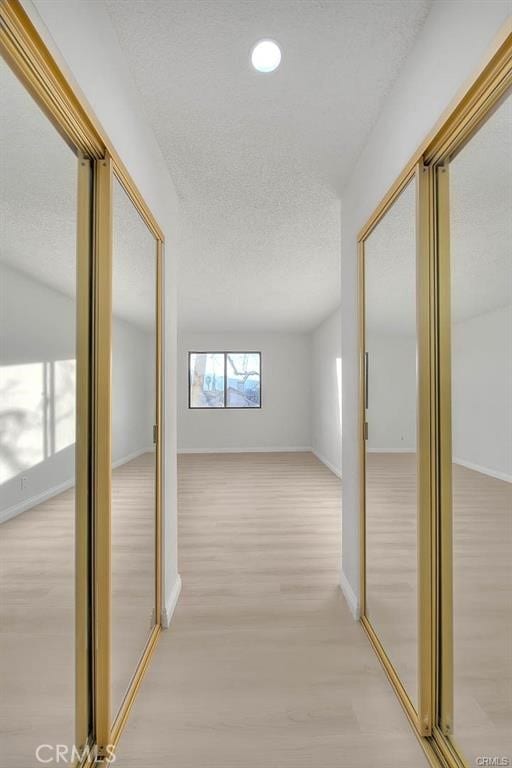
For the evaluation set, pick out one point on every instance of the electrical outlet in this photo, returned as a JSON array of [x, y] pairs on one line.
[[23, 483]]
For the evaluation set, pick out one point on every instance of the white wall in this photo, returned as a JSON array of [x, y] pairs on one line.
[[482, 392], [449, 49], [391, 392], [38, 326], [326, 375], [133, 390], [282, 423], [81, 37]]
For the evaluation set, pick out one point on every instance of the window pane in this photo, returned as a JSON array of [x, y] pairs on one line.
[[243, 385], [206, 380]]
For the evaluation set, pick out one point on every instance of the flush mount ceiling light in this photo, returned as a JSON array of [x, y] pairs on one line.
[[266, 56]]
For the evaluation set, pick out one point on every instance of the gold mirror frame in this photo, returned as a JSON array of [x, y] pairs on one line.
[[25, 52], [433, 722], [422, 717]]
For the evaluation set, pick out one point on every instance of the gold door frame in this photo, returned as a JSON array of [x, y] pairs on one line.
[[429, 163], [27, 55]]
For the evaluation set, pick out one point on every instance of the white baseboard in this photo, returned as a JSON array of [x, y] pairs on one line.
[[281, 449], [49, 493], [171, 603], [349, 595], [32, 501], [125, 459], [327, 463], [483, 470]]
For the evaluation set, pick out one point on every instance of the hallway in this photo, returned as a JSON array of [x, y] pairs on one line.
[[263, 667]]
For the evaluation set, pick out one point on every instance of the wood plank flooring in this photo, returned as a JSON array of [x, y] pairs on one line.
[[263, 666], [37, 610], [482, 593]]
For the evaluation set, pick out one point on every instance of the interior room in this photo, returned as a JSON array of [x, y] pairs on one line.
[[256, 383]]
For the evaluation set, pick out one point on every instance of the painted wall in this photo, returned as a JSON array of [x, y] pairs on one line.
[[326, 375], [282, 423], [38, 334], [391, 393], [450, 48], [482, 392], [81, 37]]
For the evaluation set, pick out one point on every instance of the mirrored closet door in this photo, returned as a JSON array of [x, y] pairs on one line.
[[475, 192], [390, 394], [44, 666], [134, 441]]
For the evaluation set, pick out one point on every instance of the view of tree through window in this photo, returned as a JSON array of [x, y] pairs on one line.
[[224, 380]]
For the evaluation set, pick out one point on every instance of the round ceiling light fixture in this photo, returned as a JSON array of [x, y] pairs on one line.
[[266, 56]]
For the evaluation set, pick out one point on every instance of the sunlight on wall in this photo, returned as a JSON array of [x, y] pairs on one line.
[[64, 403], [338, 377], [37, 413]]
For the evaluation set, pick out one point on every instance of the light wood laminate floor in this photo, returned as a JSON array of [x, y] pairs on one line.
[[37, 610], [482, 593], [263, 666]]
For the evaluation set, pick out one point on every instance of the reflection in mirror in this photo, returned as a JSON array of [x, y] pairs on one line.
[[480, 180], [133, 453], [38, 210], [391, 505], [206, 379]]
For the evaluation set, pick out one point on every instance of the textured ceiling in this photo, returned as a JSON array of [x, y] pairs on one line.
[[37, 190], [38, 180], [259, 161], [480, 237]]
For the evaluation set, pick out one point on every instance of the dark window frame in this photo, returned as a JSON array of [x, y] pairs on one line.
[[225, 354]]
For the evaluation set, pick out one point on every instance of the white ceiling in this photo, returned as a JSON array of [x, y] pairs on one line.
[[37, 190], [259, 161], [38, 182], [480, 236]]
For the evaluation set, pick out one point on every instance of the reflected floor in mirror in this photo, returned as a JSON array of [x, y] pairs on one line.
[[483, 612], [133, 568], [37, 613], [482, 621], [391, 560]]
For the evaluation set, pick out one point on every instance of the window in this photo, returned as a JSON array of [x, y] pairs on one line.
[[224, 380]]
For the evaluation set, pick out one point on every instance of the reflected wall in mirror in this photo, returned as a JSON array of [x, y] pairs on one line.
[[38, 214], [391, 486], [134, 278], [480, 192]]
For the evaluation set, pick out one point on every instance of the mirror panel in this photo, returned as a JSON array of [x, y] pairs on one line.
[[38, 309], [391, 454], [134, 276], [480, 194]]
